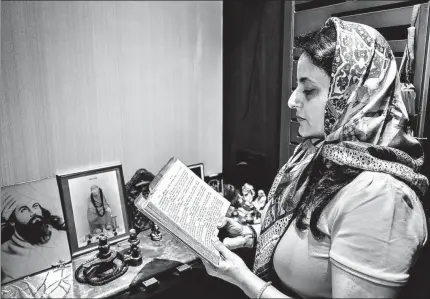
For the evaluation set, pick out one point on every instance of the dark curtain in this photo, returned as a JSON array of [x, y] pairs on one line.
[[252, 73]]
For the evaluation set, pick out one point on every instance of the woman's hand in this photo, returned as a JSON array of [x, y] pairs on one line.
[[237, 235], [231, 227], [234, 232], [231, 267]]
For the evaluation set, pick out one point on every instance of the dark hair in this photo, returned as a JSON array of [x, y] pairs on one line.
[[319, 46], [56, 222], [325, 178]]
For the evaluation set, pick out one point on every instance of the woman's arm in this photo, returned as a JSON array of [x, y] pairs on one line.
[[252, 285], [376, 234], [346, 285], [232, 269]]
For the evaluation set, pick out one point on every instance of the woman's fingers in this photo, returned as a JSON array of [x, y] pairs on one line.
[[234, 243], [223, 250], [223, 222], [208, 267], [211, 269]]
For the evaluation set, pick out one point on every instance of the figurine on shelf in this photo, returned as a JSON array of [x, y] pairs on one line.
[[249, 218], [244, 208], [102, 268], [247, 209], [233, 195], [138, 184], [155, 233], [260, 201], [132, 255], [248, 193]]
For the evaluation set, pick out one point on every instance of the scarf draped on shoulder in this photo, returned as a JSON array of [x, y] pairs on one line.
[[364, 128]]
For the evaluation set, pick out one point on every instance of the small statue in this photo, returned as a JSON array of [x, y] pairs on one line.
[[133, 256], [105, 266], [248, 197], [138, 184], [233, 195], [155, 233], [246, 205], [248, 192], [260, 201], [246, 209], [249, 219], [104, 247]]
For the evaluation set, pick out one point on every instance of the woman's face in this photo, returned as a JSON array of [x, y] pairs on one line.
[[310, 97]]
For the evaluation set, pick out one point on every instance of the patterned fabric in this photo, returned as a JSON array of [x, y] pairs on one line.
[[364, 127]]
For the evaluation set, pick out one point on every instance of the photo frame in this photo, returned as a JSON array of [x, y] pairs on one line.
[[216, 181], [94, 203], [36, 240], [198, 169]]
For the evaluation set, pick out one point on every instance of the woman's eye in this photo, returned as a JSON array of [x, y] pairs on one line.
[[308, 91]]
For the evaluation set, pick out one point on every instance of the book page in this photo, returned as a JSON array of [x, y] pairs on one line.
[[191, 205]]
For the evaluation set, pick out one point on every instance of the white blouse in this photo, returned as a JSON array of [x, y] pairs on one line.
[[373, 229]]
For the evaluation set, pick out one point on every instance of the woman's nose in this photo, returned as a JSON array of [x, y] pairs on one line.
[[294, 101]]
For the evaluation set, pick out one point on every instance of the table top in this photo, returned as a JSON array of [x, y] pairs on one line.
[[60, 283]]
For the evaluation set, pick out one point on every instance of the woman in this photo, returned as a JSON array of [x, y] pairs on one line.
[[343, 217]]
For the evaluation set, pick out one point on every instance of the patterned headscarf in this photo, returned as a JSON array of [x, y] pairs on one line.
[[364, 128]]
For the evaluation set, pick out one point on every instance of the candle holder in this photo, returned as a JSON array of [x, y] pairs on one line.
[[133, 255]]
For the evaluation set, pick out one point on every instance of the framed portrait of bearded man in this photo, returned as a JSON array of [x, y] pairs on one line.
[[33, 229], [94, 205]]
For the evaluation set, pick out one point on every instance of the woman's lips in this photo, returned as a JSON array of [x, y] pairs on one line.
[[300, 118]]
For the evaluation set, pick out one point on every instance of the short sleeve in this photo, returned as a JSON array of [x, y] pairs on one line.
[[378, 231]]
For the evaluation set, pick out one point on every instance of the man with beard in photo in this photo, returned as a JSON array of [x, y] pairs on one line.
[[32, 238]]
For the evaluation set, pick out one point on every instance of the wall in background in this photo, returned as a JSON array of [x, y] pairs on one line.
[[92, 83]]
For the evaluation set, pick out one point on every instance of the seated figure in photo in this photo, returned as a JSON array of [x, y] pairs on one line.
[[32, 238], [99, 213], [344, 217]]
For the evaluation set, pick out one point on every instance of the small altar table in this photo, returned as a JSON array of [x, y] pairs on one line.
[[61, 283]]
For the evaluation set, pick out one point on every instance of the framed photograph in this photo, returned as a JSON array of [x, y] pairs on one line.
[[94, 203], [198, 169], [216, 181], [33, 229]]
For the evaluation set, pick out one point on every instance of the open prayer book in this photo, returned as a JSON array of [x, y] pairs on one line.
[[184, 205]]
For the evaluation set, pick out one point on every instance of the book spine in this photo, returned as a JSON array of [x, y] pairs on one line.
[[159, 176], [141, 202]]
